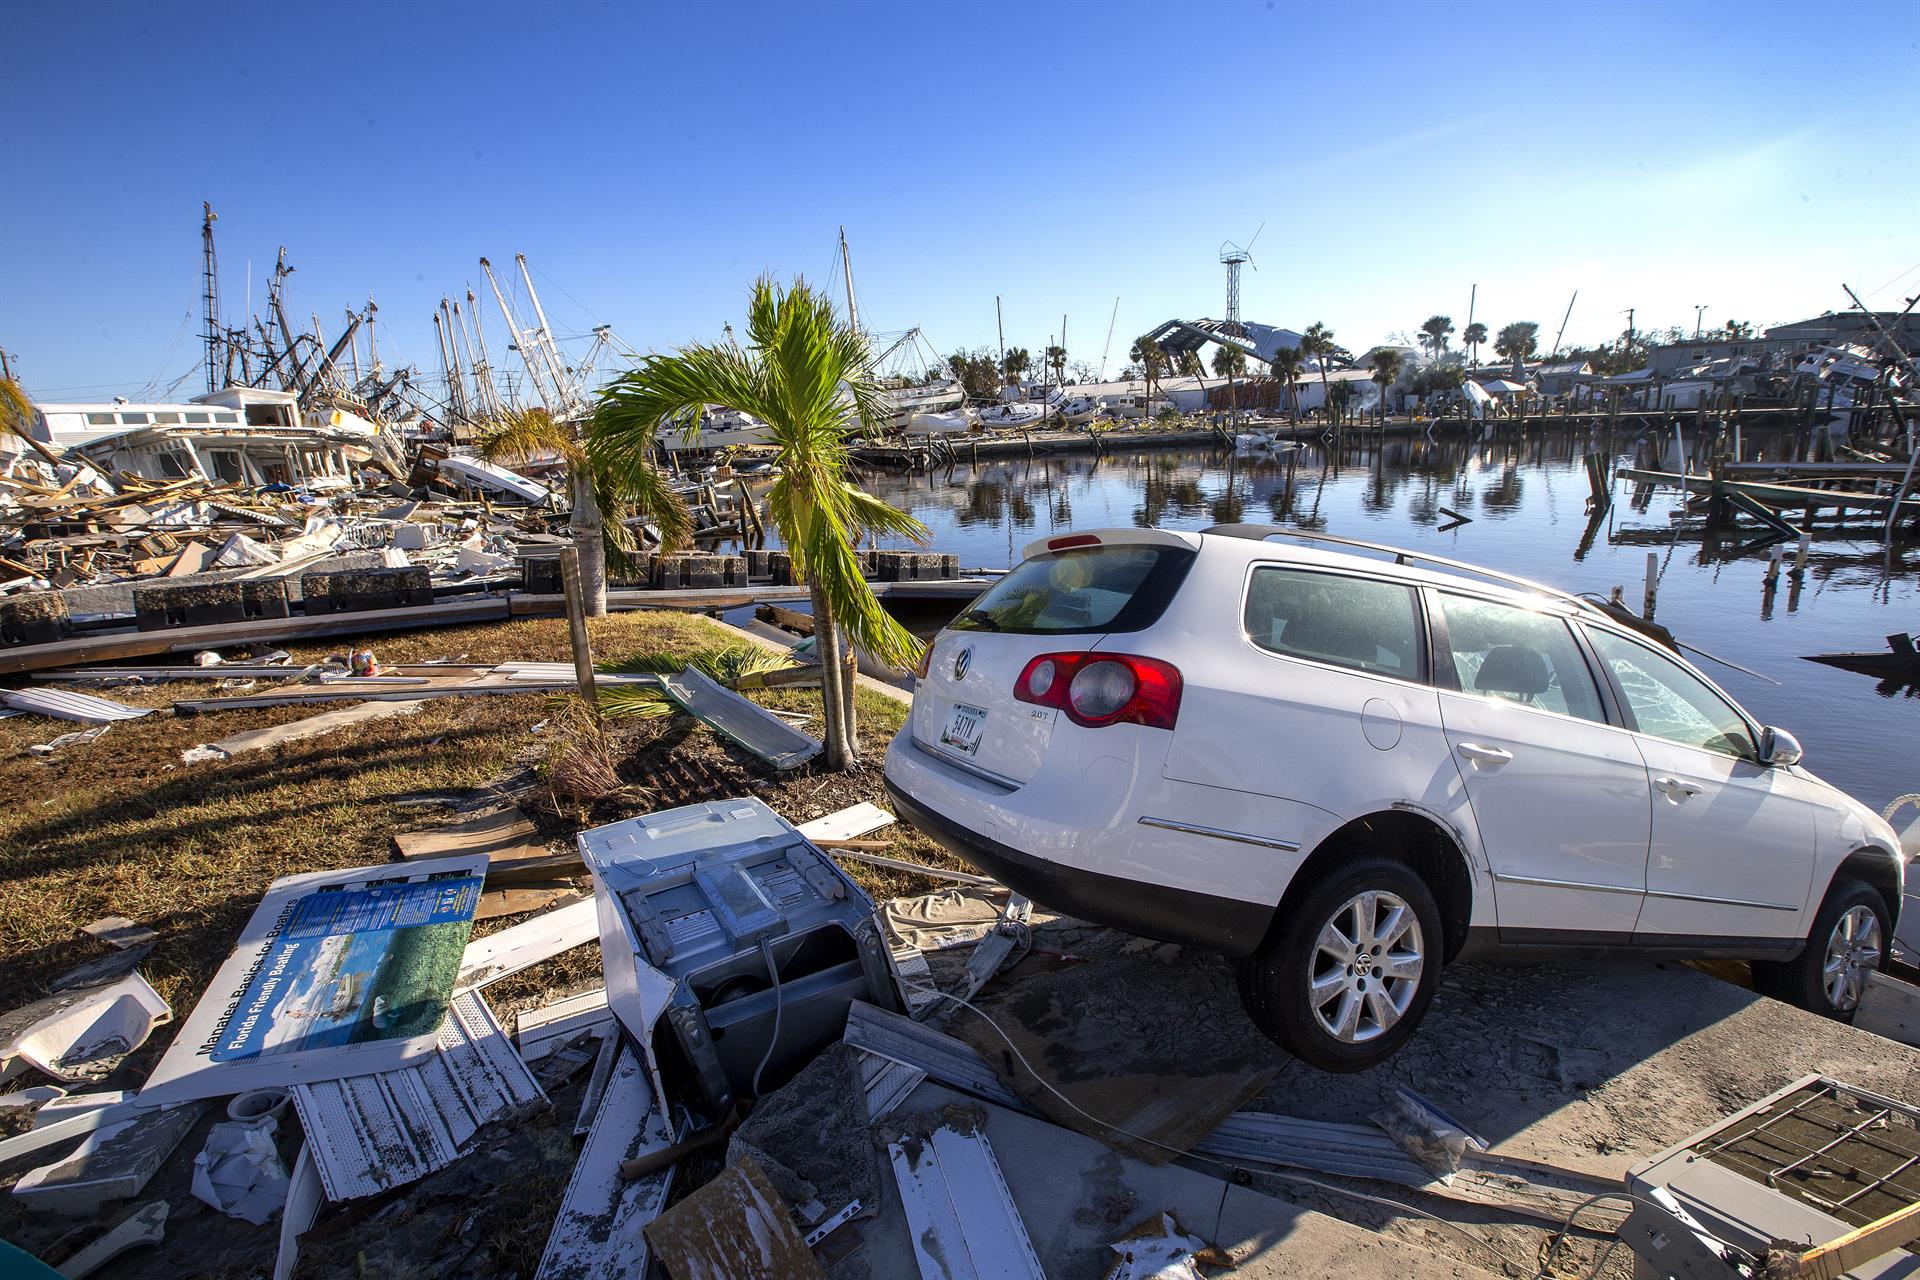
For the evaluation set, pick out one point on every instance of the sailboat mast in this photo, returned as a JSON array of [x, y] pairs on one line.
[[846, 269], [1000, 326]]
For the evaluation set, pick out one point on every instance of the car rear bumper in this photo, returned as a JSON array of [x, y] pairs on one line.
[[1152, 910]]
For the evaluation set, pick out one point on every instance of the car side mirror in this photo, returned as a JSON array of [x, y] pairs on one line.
[[1778, 748]]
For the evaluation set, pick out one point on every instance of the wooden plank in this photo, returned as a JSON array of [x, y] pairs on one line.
[[504, 835], [1779, 495], [517, 901], [1890, 1008], [1842, 1254], [791, 619], [129, 644]]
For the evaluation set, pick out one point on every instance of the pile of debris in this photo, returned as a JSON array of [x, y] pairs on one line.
[[776, 1078]]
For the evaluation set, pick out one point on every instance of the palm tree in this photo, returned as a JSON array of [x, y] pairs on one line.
[[1473, 336], [1015, 363], [1386, 372], [1317, 342], [1436, 330], [809, 378], [1188, 365], [1151, 358], [1287, 365], [1517, 341], [1057, 362], [639, 493], [16, 408], [1229, 362]]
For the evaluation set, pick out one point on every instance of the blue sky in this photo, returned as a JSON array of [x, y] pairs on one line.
[[650, 159]]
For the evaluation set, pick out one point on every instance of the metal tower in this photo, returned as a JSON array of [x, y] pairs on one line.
[[1234, 257]]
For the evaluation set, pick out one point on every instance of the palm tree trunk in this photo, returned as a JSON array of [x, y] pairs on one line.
[[587, 526], [833, 698]]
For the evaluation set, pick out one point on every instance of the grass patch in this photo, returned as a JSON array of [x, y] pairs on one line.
[[121, 826]]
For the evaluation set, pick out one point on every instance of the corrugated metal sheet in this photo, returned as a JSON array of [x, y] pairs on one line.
[[596, 1235], [959, 1212], [369, 1133], [747, 723], [64, 704]]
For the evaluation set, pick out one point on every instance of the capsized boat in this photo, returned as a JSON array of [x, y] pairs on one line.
[[1081, 410], [958, 422], [1014, 417]]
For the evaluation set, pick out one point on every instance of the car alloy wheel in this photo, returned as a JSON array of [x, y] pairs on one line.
[[1853, 951], [1365, 967]]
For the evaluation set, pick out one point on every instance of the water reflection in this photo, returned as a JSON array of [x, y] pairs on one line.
[[1527, 499]]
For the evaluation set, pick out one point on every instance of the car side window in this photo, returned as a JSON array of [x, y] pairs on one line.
[[1668, 701], [1360, 623], [1503, 651]]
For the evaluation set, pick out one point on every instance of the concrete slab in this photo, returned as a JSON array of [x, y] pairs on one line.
[[1077, 1196]]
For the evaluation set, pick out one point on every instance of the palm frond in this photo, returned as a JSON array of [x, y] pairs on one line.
[[635, 702], [526, 433], [666, 662], [16, 407]]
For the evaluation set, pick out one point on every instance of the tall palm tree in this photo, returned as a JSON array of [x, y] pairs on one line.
[[1317, 342], [1517, 341], [1386, 371], [1015, 363], [1057, 362], [1230, 362], [641, 492], [809, 378], [1436, 330], [1473, 335], [1287, 365], [1151, 358]]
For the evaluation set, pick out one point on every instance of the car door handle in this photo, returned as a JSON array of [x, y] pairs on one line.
[[1484, 755], [1676, 787]]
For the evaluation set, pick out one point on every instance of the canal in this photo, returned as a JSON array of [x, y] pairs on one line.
[[1526, 500]]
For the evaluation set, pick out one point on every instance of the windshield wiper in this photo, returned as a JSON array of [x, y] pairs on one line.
[[982, 618]]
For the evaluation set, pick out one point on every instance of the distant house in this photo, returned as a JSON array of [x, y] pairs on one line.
[[1781, 344], [1560, 379]]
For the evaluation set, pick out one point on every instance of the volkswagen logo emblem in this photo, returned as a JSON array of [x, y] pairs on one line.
[[961, 661]]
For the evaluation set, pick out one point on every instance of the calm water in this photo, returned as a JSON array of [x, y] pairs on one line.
[[1527, 501]]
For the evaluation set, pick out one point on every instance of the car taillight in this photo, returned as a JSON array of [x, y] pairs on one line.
[[1098, 689], [921, 667]]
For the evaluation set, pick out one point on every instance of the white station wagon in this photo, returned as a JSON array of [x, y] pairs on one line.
[[1344, 770]]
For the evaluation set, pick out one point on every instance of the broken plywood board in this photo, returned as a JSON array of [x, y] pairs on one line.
[[369, 1133], [598, 1231], [311, 727], [960, 1214], [502, 835], [849, 823], [736, 1227], [498, 955], [740, 719], [1890, 1008], [518, 900]]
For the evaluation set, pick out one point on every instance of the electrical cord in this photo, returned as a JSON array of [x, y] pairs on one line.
[[1288, 1176], [773, 974]]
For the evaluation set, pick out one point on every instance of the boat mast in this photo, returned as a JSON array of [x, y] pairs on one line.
[[846, 269], [520, 340], [482, 362], [210, 295], [570, 403], [1000, 327]]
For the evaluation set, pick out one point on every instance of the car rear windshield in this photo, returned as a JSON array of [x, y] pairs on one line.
[[1103, 588]]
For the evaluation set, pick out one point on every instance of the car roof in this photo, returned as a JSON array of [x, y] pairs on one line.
[[1298, 546]]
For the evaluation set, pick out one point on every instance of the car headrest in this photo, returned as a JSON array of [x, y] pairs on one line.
[[1509, 668]]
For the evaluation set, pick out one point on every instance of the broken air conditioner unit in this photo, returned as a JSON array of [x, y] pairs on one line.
[[1798, 1169], [726, 924]]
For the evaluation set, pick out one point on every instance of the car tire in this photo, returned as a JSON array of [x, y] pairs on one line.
[[1805, 980], [1336, 1017]]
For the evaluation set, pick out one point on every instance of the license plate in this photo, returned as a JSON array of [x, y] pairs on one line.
[[964, 724]]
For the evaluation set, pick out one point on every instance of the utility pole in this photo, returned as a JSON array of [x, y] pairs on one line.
[[1697, 313], [1629, 329], [210, 295], [6, 365]]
